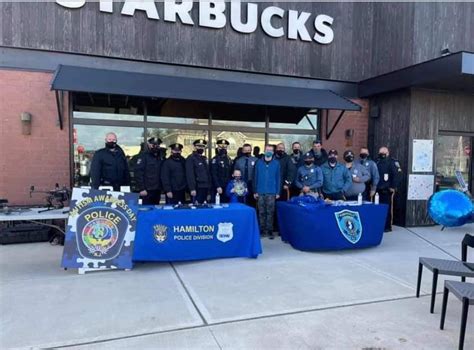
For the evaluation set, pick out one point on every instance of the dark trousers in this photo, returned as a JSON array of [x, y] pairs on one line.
[[338, 196], [152, 197], [266, 211], [178, 196], [386, 197], [352, 198], [294, 191], [249, 199], [201, 195]]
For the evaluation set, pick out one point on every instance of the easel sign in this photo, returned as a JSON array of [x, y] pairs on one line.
[[100, 230]]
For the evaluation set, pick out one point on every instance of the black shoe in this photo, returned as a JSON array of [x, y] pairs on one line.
[[387, 230], [271, 236]]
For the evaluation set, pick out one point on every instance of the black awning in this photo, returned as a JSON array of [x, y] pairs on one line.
[[83, 79]]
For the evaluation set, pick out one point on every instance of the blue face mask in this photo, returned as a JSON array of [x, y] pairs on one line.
[[268, 154]]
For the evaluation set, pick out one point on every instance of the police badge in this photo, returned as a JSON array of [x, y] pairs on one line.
[[225, 232], [159, 233], [349, 225]]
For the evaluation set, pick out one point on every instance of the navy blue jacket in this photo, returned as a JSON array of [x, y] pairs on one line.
[[337, 179], [309, 176]]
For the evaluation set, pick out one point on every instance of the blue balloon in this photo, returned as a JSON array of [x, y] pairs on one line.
[[450, 208]]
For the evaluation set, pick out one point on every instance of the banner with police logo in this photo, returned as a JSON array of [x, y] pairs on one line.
[[100, 230], [349, 225]]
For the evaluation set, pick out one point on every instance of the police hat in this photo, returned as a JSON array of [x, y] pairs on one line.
[[222, 142], [348, 153], [308, 156], [332, 152], [154, 141], [176, 146], [200, 142]]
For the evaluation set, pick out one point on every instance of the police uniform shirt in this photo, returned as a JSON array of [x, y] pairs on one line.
[[147, 171], [197, 172], [390, 173], [109, 168], [173, 174], [221, 168]]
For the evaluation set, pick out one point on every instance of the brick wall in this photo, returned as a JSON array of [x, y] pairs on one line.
[[40, 159], [358, 121]]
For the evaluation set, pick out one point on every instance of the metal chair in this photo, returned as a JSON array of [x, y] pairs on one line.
[[464, 292], [446, 267]]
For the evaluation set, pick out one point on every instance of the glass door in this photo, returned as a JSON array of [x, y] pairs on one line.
[[453, 153]]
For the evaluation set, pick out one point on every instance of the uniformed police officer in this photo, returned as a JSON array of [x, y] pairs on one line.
[[221, 171], [246, 165], [173, 175], [197, 172], [336, 178], [390, 177], [148, 172], [360, 175], [369, 164], [109, 166], [309, 177]]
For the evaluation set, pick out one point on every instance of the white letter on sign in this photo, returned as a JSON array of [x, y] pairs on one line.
[[182, 10], [266, 21], [322, 24], [211, 14], [106, 6], [148, 6], [236, 17], [71, 4], [296, 25]]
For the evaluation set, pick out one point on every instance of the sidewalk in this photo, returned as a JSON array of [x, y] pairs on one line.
[[285, 299]]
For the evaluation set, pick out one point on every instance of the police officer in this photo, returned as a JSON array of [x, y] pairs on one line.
[[197, 172], [109, 166], [319, 153], [287, 171], [148, 172], [390, 177], [336, 178], [309, 177], [246, 165], [173, 175], [221, 171], [369, 164], [360, 175]]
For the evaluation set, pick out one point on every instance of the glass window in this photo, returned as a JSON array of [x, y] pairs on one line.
[[184, 137], [288, 139], [247, 124], [453, 153], [176, 120], [308, 122], [107, 114], [89, 138], [236, 140]]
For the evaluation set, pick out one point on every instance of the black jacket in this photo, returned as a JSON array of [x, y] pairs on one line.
[[297, 160], [287, 170], [173, 174], [197, 172], [321, 159], [147, 171], [109, 168], [390, 174], [221, 171]]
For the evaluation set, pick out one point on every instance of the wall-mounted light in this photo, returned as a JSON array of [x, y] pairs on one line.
[[26, 123], [445, 51]]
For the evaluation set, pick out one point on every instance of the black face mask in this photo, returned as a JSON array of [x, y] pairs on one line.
[[279, 153], [222, 152], [308, 162], [248, 154], [155, 150], [363, 155], [176, 155], [382, 155], [111, 144], [332, 161], [200, 151], [296, 151], [349, 159]]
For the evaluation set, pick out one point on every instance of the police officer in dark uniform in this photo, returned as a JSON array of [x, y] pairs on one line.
[[390, 177], [148, 172], [173, 175], [109, 166], [221, 171], [197, 172]]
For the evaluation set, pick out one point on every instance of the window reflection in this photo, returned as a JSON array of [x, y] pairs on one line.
[[236, 140]]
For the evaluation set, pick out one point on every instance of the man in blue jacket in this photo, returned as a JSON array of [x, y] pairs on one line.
[[267, 189], [309, 177], [336, 178]]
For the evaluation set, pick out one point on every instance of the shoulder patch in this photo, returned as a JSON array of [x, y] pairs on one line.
[[213, 160], [397, 164], [139, 160]]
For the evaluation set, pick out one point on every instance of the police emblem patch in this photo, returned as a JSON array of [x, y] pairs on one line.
[[349, 225], [225, 232], [160, 233]]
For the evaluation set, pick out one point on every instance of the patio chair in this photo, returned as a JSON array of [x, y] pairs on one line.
[[464, 292], [446, 267]]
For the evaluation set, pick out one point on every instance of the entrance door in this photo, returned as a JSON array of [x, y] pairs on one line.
[[454, 153]]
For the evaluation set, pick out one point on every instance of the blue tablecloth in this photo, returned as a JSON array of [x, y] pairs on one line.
[[313, 227], [195, 234]]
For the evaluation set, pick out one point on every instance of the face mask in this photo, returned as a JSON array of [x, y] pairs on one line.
[[268, 154], [176, 155], [280, 153], [363, 155], [222, 152], [332, 161], [155, 150], [382, 155], [247, 154], [349, 159], [308, 162], [237, 178], [296, 151], [200, 151], [111, 144]]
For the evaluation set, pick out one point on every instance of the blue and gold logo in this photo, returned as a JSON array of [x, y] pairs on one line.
[[160, 233], [349, 225]]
